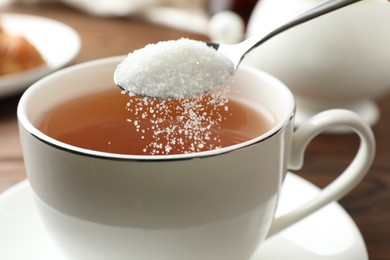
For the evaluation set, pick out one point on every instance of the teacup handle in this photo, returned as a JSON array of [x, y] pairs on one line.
[[343, 184]]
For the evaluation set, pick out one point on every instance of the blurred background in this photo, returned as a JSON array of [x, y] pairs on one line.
[[338, 61]]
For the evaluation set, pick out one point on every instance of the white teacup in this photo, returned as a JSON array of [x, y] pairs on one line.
[[217, 204]]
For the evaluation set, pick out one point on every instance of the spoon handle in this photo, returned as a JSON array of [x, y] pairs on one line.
[[309, 14]]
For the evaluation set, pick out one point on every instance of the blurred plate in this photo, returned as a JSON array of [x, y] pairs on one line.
[[57, 42]]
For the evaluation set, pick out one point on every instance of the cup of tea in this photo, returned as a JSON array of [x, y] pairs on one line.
[[106, 198]]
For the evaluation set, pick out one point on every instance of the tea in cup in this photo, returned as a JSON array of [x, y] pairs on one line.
[[99, 200]]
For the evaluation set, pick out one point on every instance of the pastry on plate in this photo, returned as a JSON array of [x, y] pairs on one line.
[[17, 54]]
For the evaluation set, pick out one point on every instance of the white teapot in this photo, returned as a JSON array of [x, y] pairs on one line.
[[339, 60]]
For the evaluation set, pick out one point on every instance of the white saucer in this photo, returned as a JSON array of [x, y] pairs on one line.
[[58, 43], [327, 234]]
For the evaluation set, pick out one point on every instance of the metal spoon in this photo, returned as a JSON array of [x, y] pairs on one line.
[[233, 53], [238, 51]]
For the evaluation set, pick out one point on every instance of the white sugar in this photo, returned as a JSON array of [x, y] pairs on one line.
[[178, 95], [173, 69], [186, 126]]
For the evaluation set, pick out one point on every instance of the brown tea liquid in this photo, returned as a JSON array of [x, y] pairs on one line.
[[117, 123]]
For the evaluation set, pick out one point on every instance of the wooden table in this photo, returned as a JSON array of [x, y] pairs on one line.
[[327, 155]]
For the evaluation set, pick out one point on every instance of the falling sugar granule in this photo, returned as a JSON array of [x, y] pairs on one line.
[[179, 126], [173, 69]]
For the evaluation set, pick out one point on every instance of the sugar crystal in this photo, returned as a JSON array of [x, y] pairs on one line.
[[183, 125], [173, 69]]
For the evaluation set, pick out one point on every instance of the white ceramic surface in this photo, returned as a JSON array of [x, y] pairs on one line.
[[339, 60], [58, 43], [23, 235], [217, 204]]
